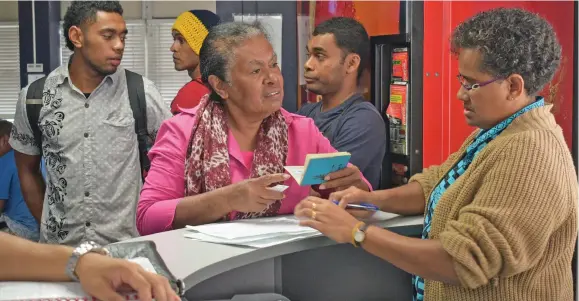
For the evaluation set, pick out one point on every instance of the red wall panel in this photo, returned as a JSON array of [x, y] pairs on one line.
[[561, 15], [433, 105], [444, 126]]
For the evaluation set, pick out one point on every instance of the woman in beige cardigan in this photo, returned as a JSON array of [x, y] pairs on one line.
[[501, 213]]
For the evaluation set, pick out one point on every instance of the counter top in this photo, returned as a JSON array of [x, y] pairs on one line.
[[195, 261]]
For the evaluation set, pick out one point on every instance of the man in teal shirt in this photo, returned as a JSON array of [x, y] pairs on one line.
[[13, 209]]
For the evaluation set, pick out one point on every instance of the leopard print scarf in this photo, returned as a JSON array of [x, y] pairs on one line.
[[207, 160]]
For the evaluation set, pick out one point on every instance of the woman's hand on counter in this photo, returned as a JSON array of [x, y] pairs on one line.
[[355, 195], [326, 217], [104, 277]]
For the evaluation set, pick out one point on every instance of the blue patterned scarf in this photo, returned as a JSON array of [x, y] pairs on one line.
[[481, 140]]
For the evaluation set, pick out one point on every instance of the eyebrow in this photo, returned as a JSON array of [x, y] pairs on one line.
[[259, 62], [467, 77], [317, 50], [112, 30]]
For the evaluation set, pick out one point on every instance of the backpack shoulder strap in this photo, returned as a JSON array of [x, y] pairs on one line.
[[33, 107], [136, 90]]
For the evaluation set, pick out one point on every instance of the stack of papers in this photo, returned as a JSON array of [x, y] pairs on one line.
[[262, 232], [256, 233]]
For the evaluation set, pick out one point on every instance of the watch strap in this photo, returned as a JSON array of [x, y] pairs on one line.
[[364, 227], [82, 249], [358, 227]]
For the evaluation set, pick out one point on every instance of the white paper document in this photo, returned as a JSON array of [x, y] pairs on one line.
[[262, 232], [279, 188], [256, 233], [297, 172], [380, 216]]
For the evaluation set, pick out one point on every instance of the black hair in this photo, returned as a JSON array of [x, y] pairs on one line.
[[82, 12], [350, 36], [5, 127], [511, 41], [217, 51]]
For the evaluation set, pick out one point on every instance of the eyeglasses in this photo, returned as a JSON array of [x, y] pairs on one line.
[[463, 82]]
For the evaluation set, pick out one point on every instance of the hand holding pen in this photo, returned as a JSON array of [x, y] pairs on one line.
[[329, 216], [357, 202], [360, 206]]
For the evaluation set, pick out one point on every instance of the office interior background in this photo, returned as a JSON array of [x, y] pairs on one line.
[[147, 48], [434, 121], [30, 36]]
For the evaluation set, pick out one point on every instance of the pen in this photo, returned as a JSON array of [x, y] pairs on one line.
[[361, 206]]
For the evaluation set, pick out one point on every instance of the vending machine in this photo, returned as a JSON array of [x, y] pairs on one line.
[[397, 93]]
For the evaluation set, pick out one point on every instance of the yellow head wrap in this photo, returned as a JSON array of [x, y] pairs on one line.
[[194, 26]]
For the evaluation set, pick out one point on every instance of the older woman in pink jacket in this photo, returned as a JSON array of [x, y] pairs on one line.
[[217, 161]]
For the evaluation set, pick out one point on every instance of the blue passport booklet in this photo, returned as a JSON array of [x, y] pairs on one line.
[[317, 167]]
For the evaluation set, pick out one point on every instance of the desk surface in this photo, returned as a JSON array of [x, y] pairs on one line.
[[195, 261]]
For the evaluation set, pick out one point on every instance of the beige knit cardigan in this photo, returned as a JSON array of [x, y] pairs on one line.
[[510, 221]]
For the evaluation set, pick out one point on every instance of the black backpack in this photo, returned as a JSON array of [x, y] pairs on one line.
[[137, 99]]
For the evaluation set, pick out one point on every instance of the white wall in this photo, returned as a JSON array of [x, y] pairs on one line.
[[159, 9], [172, 9], [9, 11], [132, 9]]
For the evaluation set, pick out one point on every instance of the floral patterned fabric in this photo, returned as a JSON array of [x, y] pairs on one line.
[[207, 160]]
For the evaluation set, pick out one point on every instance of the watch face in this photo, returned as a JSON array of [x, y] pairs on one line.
[[359, 236]]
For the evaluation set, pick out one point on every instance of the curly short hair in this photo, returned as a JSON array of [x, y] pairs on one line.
[[351, 37], [511, 41], [82, 12]]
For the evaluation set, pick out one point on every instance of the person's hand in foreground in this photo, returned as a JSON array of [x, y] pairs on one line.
[[254, 195], [106, 278], [343, 179], [101, 276], [355, 195], [326, 217]]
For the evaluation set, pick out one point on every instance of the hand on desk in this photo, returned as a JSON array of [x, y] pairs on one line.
[[354, 195], [102, 277], [253, 195], [326, 217]]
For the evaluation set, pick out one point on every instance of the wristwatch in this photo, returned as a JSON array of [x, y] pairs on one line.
[[83, 248], [359, 234]]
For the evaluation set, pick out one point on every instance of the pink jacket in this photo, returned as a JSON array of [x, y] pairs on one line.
[[165, 183]]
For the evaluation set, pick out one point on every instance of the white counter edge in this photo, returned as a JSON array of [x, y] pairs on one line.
[[410, 226]]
